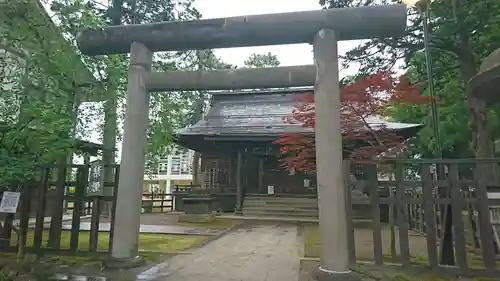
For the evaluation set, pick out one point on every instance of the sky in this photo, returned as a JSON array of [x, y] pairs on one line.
[[288, 55]]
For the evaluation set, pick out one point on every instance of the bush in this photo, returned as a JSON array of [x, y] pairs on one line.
[[4, 276]]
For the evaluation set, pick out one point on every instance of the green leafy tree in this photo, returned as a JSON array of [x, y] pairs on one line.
[[42, 81], [462, 33], [262, 60], [40, 88], [166, 109]]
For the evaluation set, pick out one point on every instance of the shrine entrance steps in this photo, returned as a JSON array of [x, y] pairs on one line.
[[280, 206]]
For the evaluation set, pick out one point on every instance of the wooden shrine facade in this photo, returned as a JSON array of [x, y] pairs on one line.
[[235, 139], [254, 167]]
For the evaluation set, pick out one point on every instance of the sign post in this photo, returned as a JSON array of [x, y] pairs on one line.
[[10, 201], [96, 179]]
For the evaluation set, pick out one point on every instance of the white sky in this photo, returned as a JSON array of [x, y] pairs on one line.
[[297, 54]]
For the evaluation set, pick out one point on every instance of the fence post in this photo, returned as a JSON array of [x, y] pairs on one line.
[[350, 230], [402, 219], [372, 184], [80, 187], [113, 207], [94, 224], [24, 213], [55, 230], [429, 216], [40, 214], [458, 223], [485, 227]]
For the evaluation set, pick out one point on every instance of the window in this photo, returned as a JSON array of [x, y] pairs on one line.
[[162, 168], [186, 163], [176, 165]]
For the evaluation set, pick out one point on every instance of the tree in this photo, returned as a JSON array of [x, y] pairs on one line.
[[41, 82], [167, 110], [262, 60], [462, 33], [361, 100]]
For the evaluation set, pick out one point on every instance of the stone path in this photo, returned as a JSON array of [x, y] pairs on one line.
[[157, 229], [46, 220], [151, 229], [259, 253]]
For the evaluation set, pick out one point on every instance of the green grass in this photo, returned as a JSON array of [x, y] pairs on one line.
[[165, 243], [364, 250], [151, 246], [312, 242], [312, 247]]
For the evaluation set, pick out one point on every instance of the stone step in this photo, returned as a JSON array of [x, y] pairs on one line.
[[289, 199], [282, 208], [279, 204], [284, 211], [261, 203], [270, 206]]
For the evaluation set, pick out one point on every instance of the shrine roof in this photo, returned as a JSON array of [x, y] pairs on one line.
[[261, 113]]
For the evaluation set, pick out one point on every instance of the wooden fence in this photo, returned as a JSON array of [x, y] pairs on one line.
[[59, 214], [420, 204], [43, 221]]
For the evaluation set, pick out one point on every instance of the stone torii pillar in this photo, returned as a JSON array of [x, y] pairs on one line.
[[329, 161], [322, 27]]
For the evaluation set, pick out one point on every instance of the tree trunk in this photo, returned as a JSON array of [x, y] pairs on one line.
[[109, 142], [392, 221], [482, 143], [478, 118]]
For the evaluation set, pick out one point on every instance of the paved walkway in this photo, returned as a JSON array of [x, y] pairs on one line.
[[259, 253], [152, 229], [46, 220]]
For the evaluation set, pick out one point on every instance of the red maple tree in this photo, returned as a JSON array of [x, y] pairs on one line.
[[361, 101]]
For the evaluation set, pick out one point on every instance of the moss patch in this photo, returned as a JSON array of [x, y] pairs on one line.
[[152, 248], [364, 247], [165, 243]]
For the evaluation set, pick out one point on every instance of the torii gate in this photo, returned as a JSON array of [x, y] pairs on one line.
[[323, 28]]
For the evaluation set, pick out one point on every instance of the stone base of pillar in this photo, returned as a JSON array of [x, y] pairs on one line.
[[114, 263], [324, 275]]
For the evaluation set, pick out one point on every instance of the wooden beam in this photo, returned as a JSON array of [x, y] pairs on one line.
[[261, 174], [229, 79], [239, 181], [254, 30]]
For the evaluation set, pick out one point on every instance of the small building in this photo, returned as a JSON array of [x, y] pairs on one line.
[[173, 169], [236, 137]]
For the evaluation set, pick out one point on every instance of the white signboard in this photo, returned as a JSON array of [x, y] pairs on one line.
[[270, 189], [96, 179], [307, 183], [10, 200]]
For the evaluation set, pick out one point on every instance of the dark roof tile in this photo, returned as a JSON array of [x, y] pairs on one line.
[[258, 113]]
